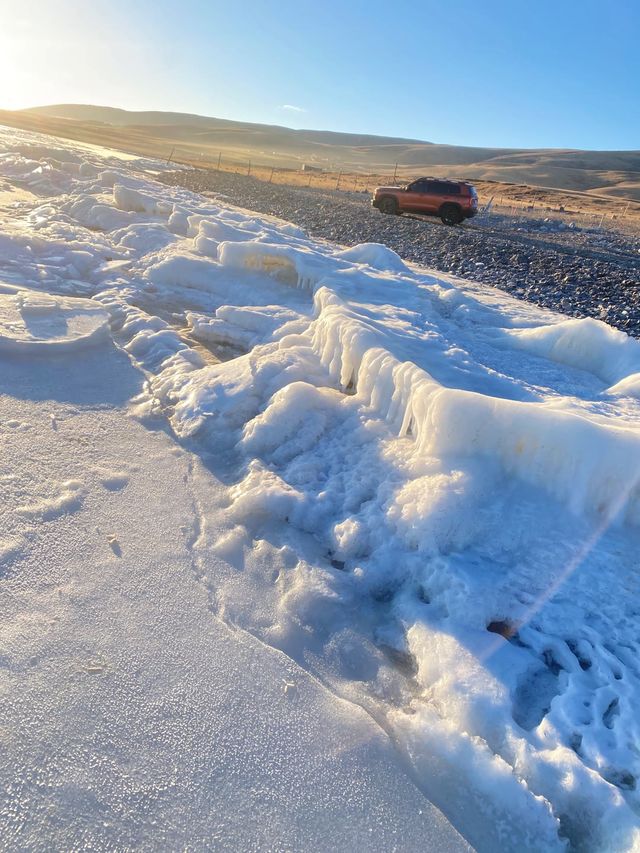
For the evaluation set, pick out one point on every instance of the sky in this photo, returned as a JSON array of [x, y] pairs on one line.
[[506, 73]]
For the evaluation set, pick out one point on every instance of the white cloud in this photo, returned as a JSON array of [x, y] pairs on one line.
[[292, 108]]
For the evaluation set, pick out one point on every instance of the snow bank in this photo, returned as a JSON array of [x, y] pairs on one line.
[[586, 344], [298, 267], [590, 466], [129, 199], [184, 271], [374, 255], [296, 417]]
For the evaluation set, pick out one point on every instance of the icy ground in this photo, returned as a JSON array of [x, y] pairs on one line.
[[298, 540]]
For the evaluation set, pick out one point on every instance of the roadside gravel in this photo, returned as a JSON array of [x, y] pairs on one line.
[[583, 272]]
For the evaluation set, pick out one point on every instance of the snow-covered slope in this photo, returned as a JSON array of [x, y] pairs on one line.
[[425, 494]]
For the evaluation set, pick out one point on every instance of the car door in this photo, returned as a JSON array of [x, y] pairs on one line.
[[414, 196], [432, 199]]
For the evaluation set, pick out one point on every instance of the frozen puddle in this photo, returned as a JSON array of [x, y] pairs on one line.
[[32, 323]]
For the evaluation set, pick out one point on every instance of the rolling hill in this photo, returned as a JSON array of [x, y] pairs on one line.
[[613, 174]]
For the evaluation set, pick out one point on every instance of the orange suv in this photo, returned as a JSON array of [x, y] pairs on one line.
[[452, 201]]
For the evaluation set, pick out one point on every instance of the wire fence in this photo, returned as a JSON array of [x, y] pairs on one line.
[[576, 209], [557, 217]]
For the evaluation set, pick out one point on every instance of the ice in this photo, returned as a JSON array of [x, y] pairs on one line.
[[135, 201], [295, 419], [242, 327], [587, 344], [300, 267], [32, 323], [130, 711], [374, 255], [303, 512]]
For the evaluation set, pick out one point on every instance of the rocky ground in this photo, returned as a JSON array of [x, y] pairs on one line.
[[583, 271]]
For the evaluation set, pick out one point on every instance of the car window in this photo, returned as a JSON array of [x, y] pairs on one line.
[[445, 188]]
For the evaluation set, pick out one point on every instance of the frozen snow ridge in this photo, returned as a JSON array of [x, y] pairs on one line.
[[591, 466]]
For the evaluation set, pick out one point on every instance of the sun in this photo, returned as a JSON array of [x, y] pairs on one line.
[[19, 79], [29, 57]]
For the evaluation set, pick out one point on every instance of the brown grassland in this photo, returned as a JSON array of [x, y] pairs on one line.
[[317, 160]]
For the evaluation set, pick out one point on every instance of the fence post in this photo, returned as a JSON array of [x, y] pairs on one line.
[[271, 175], [171, 155], [219, 159], [338, 181], [249, 172], [395, 173]]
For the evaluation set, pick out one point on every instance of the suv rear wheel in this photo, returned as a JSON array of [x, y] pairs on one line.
[[450, 214], [389, 205]]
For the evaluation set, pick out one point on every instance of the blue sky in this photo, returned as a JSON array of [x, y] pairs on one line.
[[471, 72]]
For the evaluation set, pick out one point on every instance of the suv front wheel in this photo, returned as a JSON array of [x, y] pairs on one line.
[[450, 214], [389, 205]]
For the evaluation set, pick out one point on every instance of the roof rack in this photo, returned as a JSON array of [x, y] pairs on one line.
[[446, 180]]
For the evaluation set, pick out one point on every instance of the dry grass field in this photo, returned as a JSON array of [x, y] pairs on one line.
[[583, 183]]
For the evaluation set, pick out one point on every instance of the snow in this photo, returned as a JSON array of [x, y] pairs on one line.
[[587, 344], [132, 716], [32, 323], [303, 544]]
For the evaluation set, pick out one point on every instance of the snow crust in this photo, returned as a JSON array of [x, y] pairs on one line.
[[422, 492], [31, 323]]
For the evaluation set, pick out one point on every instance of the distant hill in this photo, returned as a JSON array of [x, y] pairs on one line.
[[173, 122], [605, 173]]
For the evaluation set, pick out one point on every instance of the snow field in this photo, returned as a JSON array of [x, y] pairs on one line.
[[133, 718], [431, 492]]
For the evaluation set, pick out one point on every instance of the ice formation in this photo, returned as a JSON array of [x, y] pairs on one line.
[[32, 323], [427, 494]]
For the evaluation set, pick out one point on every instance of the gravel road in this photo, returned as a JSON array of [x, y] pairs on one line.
[[583, 272]]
